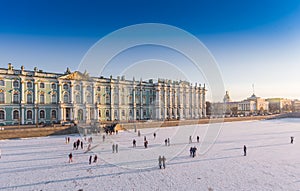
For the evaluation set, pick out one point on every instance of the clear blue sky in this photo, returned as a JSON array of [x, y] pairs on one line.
[[252, 41]]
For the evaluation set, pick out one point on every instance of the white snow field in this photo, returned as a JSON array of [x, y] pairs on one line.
[[272, 162]]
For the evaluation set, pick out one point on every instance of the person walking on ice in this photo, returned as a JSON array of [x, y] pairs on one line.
[[190, 139], [164, 162], [70, 158], [292, 140], [245, 150], [134, 143], [90, 159], [113, 148], [117, 148], [198, 138], [159, 161]]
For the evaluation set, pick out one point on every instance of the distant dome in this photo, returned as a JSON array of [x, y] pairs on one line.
[[226, 97]]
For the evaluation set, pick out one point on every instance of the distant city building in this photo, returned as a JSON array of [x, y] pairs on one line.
[[253, 105], [296, 105], [31, 97], [279, 105]]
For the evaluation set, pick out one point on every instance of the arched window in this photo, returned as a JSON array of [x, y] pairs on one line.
[[116, 99], [107, 89], [2, 115], [29, 85], [89, 98], [123, 113], [53, 86], [42, 114], [16, 84], [29, 98], [77, 98], [53, 114], [137, 113], [66, 98], [107, 113], [130, 99], [116, 113], [29, 114], [89, 88], [130, 112], [42, 85], [2, 83], [42, 98], [16, 115], [98, 88], [2, 99], [77, 87], [144, 99], [53, 98], [66, 87], [16, 97]]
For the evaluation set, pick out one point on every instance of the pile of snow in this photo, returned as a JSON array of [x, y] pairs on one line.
[[271, 162]]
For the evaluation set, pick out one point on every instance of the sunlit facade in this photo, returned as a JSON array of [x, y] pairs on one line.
[[30, 97]]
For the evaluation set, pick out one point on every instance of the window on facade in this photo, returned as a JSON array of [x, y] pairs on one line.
[[130, 99], [65, 86], [107, 99], [53, 98], [116, 113], [16, 98], [2, 115], [98, 88], [99, 113], [53, 114], [89, 88], [137, 113], [144, 99], [99, 99], [77, 87], [107, 89], [2, 83], [29, 114], [29, 98], [130, 112], [115, 98], [16, 84], [42, 114], [77, 98], [42, 85], [144, 113], [2, 99], [29, 85], [53, 86], [107, 113], [42, 98], [16, 115], [66, 98], [123, 112], [89, 98]]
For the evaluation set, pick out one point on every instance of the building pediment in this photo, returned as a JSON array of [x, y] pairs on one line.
[[76, 76]]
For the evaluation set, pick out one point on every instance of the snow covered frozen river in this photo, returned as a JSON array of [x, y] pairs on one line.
[[272, 162]]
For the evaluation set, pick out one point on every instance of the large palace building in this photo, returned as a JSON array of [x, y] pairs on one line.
[[34, 97]]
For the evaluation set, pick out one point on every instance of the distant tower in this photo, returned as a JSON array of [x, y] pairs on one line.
[[226, 98]]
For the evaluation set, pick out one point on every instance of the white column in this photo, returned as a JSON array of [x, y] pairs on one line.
[[22, 91], [35, 92], [134, 103]]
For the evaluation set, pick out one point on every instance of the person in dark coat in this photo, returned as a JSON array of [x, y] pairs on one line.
[[146, 144], [159, 161], [198, 138], [113, 148], [117, 148], [70, 158], [90, 159], [95, 158], [154, 135], [81, 144], [166, 142], [164, 162], [134, 143], [292, 140], [191, 151], [245, 150], [74, 145]]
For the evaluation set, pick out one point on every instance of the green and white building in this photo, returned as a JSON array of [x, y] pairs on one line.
[[30, 97]]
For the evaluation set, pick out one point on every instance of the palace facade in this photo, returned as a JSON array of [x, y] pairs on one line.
[[34, 97]]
